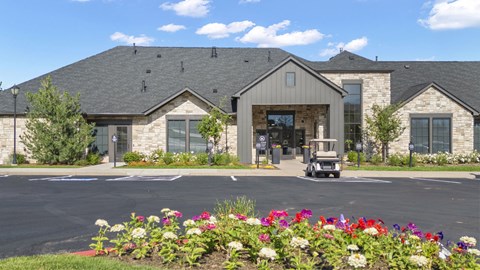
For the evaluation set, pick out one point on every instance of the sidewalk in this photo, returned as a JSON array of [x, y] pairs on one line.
[[285, 168]]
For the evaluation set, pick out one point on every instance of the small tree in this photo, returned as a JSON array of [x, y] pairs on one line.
[[56, 131], [212, 125], [384, 125]]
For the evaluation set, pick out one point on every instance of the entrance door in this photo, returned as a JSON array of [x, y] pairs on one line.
[[124, 141], [281, 130]]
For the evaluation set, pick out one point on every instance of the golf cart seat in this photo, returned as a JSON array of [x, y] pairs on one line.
[[326, 154]]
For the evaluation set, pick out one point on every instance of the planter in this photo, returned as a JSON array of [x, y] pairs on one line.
[[276, 155], [306, 155]]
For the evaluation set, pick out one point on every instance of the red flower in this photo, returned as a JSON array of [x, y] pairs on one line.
[[323, 220]]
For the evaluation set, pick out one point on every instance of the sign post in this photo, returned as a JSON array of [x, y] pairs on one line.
[[261, 145], [358, 147], [411, 147], [114, 140]]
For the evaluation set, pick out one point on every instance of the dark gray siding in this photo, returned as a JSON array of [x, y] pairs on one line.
[[272, 90]]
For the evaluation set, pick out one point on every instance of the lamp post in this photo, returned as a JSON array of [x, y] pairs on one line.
[[411, 147], [15, 89], [114, 140], [209, 148], [358, 147]]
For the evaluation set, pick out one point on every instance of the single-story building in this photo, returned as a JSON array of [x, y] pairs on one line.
[[154, 97]]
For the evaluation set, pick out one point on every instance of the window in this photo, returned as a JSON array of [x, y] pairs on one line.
[[476, 135], [290, 79], [431, 134], [183, 136], [353, 113], [100, 145]]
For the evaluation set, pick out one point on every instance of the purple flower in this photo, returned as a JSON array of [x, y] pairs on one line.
[[283, 223], [394, 235], [396, 227], [462, 245], [340, 225], [265, 222], [412, 227], [342, 219], [264, 237], [440, 235], [195, 218], [330, 220], [306, 213], [418, 233], [166, 221]]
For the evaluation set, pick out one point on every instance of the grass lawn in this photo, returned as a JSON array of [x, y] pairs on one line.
[[66, 262], [41, 166], [450, 168]]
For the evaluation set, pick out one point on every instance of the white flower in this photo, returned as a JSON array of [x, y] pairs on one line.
[[117, 228], [299, 242], [138, 233], [101, 223], [267, 253], [470, 241], [196, 231], [170, 235], [419, 260], [164, 210], [329, 227], [153, 219], [188, 223], [357, 260], [254, 221], [232, 216], [235, 245], [371, 231], [352, 247], [212, 220], [474, 251]]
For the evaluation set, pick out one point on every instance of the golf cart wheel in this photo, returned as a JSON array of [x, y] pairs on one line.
[[307, 173], [336, 175]]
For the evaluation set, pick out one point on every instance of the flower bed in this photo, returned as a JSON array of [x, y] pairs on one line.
[[281, 241]]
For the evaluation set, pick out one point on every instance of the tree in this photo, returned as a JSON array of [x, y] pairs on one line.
[[384, 125], [56, 132], [212, 125]]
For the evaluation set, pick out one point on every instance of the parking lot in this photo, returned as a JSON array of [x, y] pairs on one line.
[[45, 214]]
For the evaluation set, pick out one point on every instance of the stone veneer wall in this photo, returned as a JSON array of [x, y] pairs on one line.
[[306, 113], [432, 102], [150, 133], [6, 137], [375, 88]]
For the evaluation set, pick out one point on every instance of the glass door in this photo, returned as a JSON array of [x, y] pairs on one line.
[[281, 130], [124, 140]]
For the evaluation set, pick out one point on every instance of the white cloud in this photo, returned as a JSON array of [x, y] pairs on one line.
[[352, 46], [248, 1], [188, 8], [140, 40], [268, 37], [220, 30], [171, 28], [453, 14]]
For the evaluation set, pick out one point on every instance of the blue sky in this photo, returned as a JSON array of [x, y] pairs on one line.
[[40, 36]]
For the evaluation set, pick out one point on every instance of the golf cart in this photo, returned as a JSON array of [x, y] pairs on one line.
[[323, 159]]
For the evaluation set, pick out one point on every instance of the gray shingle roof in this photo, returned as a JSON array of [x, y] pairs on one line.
[[461, 79], [111, 82]]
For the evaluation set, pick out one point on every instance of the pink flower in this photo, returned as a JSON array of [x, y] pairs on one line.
[[140, 218], [279, 213], [241, 217], [264, 237], [178, 214], [328, 236], [166, 221], [211, 226], [205, 215]]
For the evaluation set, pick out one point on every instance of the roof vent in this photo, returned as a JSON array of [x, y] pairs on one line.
[[144, 87], [134, 49], [376, 58], [246, 61], [181, 66], [149, 71], [214, 52], [351, 57], [406, 66], [159, 56], [215, 91]]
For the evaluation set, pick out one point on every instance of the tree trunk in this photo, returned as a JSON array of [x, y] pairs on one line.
[[384, 153]]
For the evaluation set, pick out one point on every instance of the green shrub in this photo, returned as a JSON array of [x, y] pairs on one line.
[[168, 158], [406, 160], [224, 159], [185, 158], [395, 160], [202, 158], [353, 156], [441, 159], [21, 158], [242, 205], [133, 157], [81, 162], [93, 158], [156, 156], [376, 159]]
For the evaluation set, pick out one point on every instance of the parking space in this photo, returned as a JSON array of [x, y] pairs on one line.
[[344, 180], [69, 178], [140, 178]]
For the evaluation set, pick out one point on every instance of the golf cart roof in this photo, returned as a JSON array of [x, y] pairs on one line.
[[323, 140]]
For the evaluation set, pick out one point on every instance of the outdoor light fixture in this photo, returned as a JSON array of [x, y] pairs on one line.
[[411, 147], [15, 89], [358, 147]]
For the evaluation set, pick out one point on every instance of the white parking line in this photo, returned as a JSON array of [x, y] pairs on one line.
[[344, 180], [435, 180], [3, 176], [141, 178], [233, 178], [62, 178]]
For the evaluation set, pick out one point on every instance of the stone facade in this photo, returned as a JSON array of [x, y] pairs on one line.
[[6, 137], [375, 88], [150, 133], [433, 101]]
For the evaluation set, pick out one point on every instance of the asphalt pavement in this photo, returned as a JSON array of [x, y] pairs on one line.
[[56, 213]]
